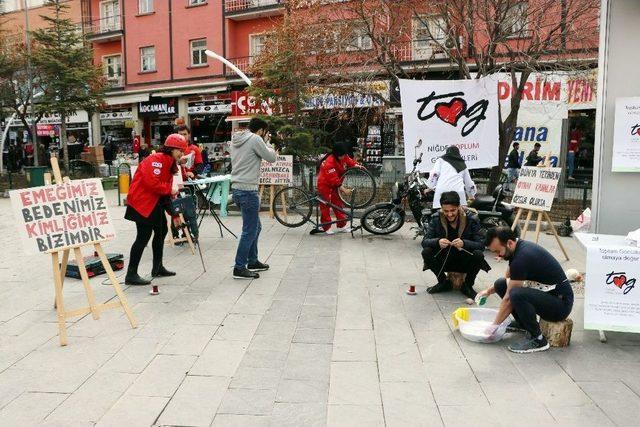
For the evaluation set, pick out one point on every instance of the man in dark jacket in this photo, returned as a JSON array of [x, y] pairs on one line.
[[453, 243], [513, 164], [533, 159]]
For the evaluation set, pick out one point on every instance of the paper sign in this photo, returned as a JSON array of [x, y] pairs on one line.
[[55, 217], [612, 296], [278, 173], [626, 136], [536, 188], [440, 113]]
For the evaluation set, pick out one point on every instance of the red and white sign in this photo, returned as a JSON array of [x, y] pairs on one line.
[[243, 104], [536, 188], [46, 130]]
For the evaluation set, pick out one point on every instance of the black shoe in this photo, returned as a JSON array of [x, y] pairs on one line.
[[162, 272], [135, 280], [244, 273], [440, 287], [468, 291], [530, 345], [257, 266], [515, 326], [316, 231]]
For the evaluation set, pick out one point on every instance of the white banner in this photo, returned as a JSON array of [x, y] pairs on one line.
[[626, 136], [440, 113], [278, 173], [611, 300], [536, 188], [55, 217], [541, 125]]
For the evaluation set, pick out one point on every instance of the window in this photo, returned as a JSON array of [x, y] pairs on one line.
[[515, 20], [257, 44], [145, 6], [198, 57], [147, 59], [112, 67], [109, 15], [360, 39], [429, 32], [196, 2]]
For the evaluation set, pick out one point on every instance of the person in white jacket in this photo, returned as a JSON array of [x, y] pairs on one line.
[[450, 173]]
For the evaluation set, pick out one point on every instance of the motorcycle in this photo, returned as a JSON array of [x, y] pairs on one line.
[[493, 211], [389, 217]]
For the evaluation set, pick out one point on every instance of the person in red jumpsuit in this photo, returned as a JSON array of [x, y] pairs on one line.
[[148, 199], [329, 184], [198, 164]]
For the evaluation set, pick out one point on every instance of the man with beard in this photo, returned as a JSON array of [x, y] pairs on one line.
[[534, 284], [453, 243]]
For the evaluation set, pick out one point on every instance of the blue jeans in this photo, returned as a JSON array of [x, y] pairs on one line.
[[249, 204], [571, 162]]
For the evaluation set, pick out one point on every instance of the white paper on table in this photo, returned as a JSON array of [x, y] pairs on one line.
[[178, 182], [190, 160]]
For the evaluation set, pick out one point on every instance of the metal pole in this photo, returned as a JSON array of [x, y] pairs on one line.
[[34, 138]]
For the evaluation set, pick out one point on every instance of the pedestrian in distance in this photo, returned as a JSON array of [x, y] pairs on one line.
[[513, 166], [248, 149], [534, 159], [148, 201]]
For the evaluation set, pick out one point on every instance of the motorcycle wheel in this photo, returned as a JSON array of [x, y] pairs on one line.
[[382, 220], [491, 222]]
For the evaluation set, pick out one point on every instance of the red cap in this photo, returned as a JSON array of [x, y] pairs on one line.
[[175, 140]]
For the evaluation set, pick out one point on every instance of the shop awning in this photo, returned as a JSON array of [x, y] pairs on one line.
[[127, 99], [193, 91], [238, 118]]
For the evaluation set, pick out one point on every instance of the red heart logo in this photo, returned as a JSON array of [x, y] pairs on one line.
[[638, 131], [619, 281], [450, 112]]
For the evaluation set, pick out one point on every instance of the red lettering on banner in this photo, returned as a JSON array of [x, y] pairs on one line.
[[24, 197]]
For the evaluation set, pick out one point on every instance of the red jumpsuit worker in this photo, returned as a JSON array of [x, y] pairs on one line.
[[148, 199], [329, 183]]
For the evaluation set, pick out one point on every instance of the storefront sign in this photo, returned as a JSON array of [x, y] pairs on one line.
[[440, 113], [116, 115], [612, 294], [626, 136], [54, 217], [209, 107], [158, 107], [243, 104], [536, 188], [80, 116], [370, 94], [278, 173], [46, 130]]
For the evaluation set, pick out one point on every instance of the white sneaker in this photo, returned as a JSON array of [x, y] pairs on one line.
[[329, 232], [345, 229]]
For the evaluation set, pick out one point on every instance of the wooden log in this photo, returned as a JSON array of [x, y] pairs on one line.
[[557, 333], [456, 279]]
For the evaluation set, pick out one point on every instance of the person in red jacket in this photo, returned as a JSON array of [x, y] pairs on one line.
[[148, 199], [198, 164], [329, 184]]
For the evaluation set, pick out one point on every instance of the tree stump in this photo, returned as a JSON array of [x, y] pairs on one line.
[[456, 279], [557, 333]]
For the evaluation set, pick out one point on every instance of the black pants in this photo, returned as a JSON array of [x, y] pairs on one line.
[[528, 302], [142, 238], [457, 261]]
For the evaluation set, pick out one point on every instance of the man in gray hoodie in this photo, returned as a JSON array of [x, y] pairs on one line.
[[248, 149]]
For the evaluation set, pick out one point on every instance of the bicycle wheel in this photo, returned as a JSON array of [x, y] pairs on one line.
[[292, 206], [364, 185], [382, 220]]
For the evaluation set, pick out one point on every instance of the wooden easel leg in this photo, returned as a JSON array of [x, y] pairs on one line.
[[523, 233], [187, 234], [170, 233], [538, 221], [62, 327], [260, 191], [283, 199], [116, 285], [271, 195], [63, 272], [555, 233], [517, 218], [95, 312]]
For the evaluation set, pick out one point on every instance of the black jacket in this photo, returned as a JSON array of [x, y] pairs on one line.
[[533, 159], [514, 160], [468, 231]]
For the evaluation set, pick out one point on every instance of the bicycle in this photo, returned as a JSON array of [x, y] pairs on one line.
[[293, 207]]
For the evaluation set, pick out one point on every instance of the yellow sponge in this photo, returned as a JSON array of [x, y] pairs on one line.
[[462, 313]]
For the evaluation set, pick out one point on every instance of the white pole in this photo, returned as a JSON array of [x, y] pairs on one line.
[[242, 75], [4, 136]]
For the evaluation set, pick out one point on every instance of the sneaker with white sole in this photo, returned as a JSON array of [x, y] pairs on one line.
[[329, 232], [345, 229], [530, 345]]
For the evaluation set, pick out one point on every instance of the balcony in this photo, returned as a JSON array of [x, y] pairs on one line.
[[241, 10], [243, 63], [104, 29], [418, 51], [114, 82]]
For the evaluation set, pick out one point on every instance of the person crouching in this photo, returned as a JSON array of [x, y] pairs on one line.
[[453, 242], [148, 199]]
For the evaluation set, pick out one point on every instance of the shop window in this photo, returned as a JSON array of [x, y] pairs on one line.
[[198, 57], [514, 23], [429, 34], [147, 59], [196, 2], [360, 39], [257, 44], [145, 6], [112, 67]]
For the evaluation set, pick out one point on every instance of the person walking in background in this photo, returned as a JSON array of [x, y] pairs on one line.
[[534, 159], [450, 173], [513, 166], [248, 149], [148, 199], [575, 137]]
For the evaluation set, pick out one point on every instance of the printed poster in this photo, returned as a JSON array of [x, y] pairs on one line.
[[626, 136], [612, 300], [536, 188], [440, 113], [278, 173]]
